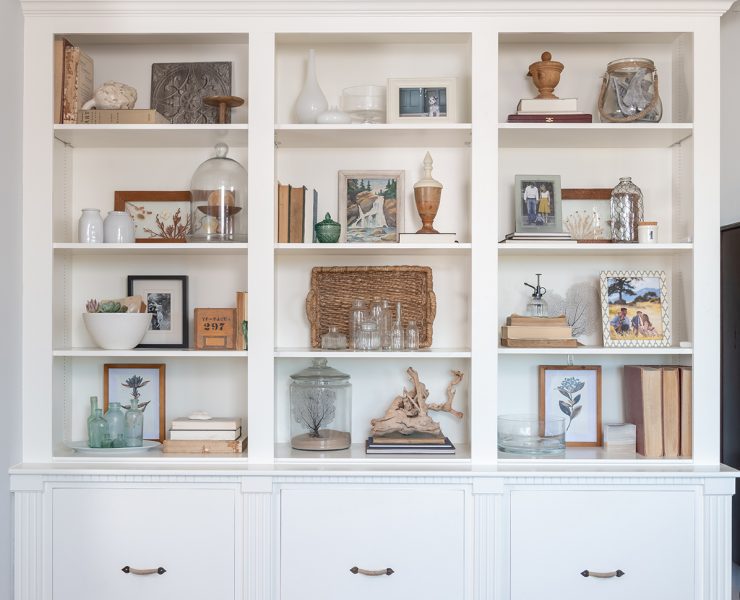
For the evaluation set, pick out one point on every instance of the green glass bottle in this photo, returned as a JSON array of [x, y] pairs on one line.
[[134, 425], [97, 428], [116, 419]]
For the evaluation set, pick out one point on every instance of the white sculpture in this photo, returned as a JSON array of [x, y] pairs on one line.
[[112, 95]]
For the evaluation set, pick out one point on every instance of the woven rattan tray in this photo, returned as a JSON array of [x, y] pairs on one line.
[[334, 288]]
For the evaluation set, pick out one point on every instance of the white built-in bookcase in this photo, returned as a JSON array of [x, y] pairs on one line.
[[478, 282]]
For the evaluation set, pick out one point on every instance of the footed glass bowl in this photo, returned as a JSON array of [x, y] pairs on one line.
[[365, 103], [530, 435]]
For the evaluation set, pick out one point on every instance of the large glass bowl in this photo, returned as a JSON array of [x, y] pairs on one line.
[[531, 435], [366, 103]]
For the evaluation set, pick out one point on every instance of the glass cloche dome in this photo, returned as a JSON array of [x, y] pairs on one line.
[[219, 204]]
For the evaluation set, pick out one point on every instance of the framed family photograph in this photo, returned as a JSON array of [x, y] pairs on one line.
[[634, 307], [538, 204], [371, 206], [145, 382], [166, 299], [419, 99], [158, 216], [574, 393]]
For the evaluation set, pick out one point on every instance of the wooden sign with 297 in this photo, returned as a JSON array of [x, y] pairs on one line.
[[215, 329]]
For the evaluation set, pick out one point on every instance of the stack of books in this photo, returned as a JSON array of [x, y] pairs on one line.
[[295, 223], [537, 332], [206, 436], [549, 110], [658, 401], [409, 444], [529, 237]]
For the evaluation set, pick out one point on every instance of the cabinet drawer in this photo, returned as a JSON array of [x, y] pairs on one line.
[[417, 533], [556, 535], [97, 532]]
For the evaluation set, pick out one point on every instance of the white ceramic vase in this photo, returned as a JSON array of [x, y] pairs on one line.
[[119, 228], [90, 227], [311, 102]]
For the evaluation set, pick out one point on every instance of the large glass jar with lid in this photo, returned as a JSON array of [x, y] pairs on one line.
[[219, 203], [320, 408]]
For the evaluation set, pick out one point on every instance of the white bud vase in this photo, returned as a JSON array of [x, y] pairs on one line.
[[311, 102]]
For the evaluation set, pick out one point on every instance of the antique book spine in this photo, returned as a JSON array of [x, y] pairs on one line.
[[206, 446], [78, 82], [686, 412], [671, 412], [536, 332], [643, 403], [569, 343], [132, 116], [297, 214], [283, 213], [539, 321], [60, 45], [203, 435]]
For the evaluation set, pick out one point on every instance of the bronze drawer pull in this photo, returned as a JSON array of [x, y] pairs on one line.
[[356, 570], [607, 575], [157, 571]]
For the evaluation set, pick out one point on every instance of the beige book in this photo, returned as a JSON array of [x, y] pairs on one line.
[[534, 332], [131, 116], [296, 209], [538, 321], [643, 403], [671, 412], [206, 446], [78, 82], [408, 439], [563, 343], [202, 435], [216, 423], [60, 44], [687, 420], [283, 214]]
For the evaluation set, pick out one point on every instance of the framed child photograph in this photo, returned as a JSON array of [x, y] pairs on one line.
[[573, 393], [634, 309], [419, 99], [538, 205], [371, 206], [158, 216], [146, 383], [166, 299]]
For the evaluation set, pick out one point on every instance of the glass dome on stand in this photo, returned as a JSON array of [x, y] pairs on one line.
[[219, 204]]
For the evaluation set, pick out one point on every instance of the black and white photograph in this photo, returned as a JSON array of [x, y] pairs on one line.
[[538, 204], [419, 99], [166, 299]]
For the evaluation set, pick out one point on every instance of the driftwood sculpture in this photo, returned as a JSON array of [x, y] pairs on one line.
[[408, 413]]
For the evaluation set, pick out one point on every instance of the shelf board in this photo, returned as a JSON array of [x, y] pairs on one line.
[[156, 136], [355, 454], [593, 135], [424, 353], [590, 455], [63, 454], [183, 249], [371, 249], [150, 352], [556, 249], [596, 350], [380, 135]]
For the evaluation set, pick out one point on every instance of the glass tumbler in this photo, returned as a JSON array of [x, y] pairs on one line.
[[412, 336], [357, 316]]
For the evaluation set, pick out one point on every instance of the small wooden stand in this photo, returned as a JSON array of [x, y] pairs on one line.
[[224, 104]]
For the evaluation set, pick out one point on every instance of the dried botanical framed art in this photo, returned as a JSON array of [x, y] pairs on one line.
[[146, 383], [158, 216], [420, 99], [573, 392], [538, 205], [587, 214], [634, 309], [371, 205], [166, 299]]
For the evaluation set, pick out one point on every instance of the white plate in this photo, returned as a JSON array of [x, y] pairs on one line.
[[83, 448]]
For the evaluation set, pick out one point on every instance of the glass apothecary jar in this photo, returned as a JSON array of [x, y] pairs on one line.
[[629, 92], [219, 200], [626, 210], [320, 408]]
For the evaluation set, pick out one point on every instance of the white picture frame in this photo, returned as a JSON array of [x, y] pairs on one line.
[[410, 100], [627, 296]]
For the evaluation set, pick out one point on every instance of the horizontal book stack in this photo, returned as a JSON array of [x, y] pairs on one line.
[[537, 332], [409, 444], [295, 220], [549, 110], [129, 116], [206, 436], [658, 400], [529, 237]]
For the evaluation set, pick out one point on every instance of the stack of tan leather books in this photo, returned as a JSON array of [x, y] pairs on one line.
[[537, 332]]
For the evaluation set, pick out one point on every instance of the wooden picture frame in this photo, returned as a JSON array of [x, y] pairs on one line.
[[383, 218], [154, 427], [634, 309], [166, 299], [421, 99], [560, 391], [538, 204], [168, 227]]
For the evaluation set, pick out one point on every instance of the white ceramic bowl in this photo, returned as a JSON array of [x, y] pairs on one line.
[[117, 331]]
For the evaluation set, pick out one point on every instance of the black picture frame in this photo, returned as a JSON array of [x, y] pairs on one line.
[[177, 323]]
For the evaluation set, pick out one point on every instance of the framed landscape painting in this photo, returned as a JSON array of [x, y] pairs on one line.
[[634, 309], [371, 206]]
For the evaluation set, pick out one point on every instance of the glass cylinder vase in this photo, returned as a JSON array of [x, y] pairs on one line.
[[626, 210]]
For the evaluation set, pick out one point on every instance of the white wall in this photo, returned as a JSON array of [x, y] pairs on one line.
[[730, 185], [11, 49]]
